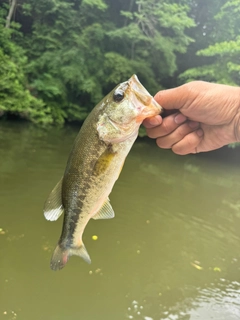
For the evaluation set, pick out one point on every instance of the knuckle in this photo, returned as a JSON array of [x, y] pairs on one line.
[[190, 141], [183, 130], [194, 84], [166, 126]]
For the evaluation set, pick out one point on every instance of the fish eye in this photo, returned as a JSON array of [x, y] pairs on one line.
[[118, 96]]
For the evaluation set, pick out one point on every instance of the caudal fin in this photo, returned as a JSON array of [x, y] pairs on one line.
[[60, 256]]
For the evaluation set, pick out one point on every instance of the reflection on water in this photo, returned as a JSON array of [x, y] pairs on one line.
[[171, 253]]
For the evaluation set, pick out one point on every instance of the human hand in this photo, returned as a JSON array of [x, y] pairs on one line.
[[200, 116]]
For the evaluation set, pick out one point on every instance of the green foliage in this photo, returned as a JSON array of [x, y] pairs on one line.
[[99, 4], [15, 98], [59, 58], [152, 32], [234, 145], [70, 53], [65, 58], [223, 57]]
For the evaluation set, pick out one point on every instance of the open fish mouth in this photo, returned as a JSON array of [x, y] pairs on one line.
[[142, 100]]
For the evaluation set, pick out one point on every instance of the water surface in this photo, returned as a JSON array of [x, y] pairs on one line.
[[171, 253]]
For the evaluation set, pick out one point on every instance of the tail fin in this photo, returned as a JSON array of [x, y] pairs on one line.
[[61, 255]]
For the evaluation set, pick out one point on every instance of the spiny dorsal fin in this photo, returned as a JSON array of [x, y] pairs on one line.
[[53, 206], [106, 211]]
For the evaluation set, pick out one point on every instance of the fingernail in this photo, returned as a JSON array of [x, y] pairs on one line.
[[193, 124], [180, 118], [199, 132]]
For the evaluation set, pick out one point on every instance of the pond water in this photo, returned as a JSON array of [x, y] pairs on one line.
[[171, 253]]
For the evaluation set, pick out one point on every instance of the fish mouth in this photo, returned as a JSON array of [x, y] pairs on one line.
[[150, 107]]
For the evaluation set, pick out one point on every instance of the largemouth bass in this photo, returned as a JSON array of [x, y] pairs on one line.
[[94, 165]]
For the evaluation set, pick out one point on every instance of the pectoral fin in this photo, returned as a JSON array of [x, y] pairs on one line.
[[106, 211], [104, 161], [53, 207]]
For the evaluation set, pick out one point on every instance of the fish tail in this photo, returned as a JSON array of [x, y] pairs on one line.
[[61, 255], [59, 258], [81, 251]]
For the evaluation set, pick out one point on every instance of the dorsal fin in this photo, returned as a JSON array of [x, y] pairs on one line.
[[106, 211], [53, 207]]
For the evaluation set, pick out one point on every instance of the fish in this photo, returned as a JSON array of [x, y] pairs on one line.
[[94, 165]]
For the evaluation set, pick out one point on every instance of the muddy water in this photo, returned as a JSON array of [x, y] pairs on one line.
[[171, 253]]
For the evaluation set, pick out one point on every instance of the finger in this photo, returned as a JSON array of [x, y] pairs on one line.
[[152, 122], [189, 143], [168, 125], [176, 98], [177, 135]]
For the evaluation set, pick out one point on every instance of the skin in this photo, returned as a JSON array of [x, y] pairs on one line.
[[199, 117]]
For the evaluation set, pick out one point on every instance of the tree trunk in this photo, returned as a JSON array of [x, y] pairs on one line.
[[10, 13]]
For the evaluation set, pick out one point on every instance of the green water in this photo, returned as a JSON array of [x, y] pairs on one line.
[[171, 253]]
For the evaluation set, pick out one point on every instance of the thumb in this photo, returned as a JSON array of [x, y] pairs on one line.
[[175, 98]]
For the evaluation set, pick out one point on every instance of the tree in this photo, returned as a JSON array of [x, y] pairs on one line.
[[12, 7], [222, 62], [64, 50], [149, 34], [15, 98], [73, 52]]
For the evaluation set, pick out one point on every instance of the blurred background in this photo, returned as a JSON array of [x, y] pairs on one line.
[[58, 58]]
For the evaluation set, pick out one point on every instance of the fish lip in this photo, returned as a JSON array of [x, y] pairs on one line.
[[151, 106]]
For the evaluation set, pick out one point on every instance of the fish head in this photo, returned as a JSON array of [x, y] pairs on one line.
[[124, 109]]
